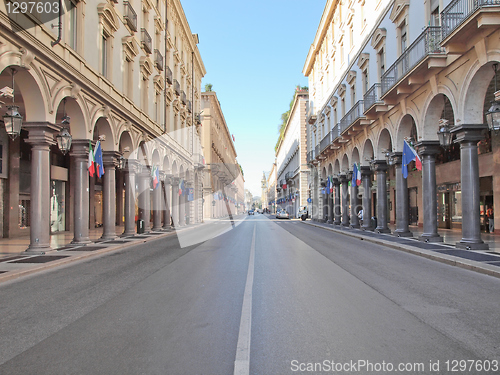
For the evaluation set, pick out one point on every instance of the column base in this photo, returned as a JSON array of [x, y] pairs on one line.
[[433, 238], [402, 233], [370, 228], [472, 245], [329, 222], [108, 237], [382, 230], [82, 241], [354, 226], [128, 234], [40, 251], [157, 229]]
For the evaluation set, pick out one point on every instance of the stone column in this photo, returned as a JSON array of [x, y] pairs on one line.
[[381, 170], [80, 181], [402, 211], [168, 201], [336, 204], [468, 136], [354, 203], [41, 137], [366, 174], [428, 151], [330, 207], [110, 161], [157, 209], [129, 178], [144, 180], [182, 208], [344, 201], [175, 201]]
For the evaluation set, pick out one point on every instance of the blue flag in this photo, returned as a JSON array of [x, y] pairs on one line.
[[328, 185], [98, 159], [408, 157], [354, 175]]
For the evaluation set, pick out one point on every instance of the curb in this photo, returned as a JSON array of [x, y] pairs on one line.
[[471, 265]]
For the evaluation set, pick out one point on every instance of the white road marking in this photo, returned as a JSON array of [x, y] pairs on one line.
[[242, 362]]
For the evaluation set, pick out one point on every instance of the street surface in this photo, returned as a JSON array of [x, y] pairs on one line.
[[282, 297]]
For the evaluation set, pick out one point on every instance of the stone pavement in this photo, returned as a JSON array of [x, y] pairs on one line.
[[486, 262]]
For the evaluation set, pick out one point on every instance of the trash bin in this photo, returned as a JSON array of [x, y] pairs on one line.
[[140, 226], [374, 222]]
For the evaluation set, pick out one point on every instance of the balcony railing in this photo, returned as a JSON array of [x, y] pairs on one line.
[[288, 176], [177, 88], [169, 75], [325, 142], [458, 11], [147, 42], [354, 113], [428, 42], [158, 60], [130, 15], [372, 96], [309, 156], [183, 97]]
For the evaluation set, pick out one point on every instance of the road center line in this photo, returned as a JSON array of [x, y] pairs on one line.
[[242, 362]]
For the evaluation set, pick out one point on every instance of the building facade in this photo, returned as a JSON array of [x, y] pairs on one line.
[[382, 72], [291, 158], [222, 169], [271, 189], [115, 72]]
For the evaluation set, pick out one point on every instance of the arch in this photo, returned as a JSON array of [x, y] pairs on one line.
[[407, 129], [368, 153], [345, 163], [72, 109], [330, 169], [126, 145], [384, 144], [28, 86], [155, 159], [103, 128], [473, 94], [433, 112], [336, 167], [166, 164], [355, 156]]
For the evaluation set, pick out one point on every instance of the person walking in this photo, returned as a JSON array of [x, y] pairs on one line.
[[490, 216]]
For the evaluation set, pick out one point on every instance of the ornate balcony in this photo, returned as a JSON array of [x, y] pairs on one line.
[[372, 102], [427, 45], [130, 16], [147, 42], [177, 88], [459, 15], [325, 142], [169, 76], [349, 124], [158, 60]]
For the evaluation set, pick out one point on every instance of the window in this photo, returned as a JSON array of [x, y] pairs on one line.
[[129, 78], [366, 83], [73, 25], [353, 94], [404, 42], [435, 19], [381, 63], [104, 56], [342, 106]]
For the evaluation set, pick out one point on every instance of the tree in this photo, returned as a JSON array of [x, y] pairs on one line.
[[286, 115], [208, 87]]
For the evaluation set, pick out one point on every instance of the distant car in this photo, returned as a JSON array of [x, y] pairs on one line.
[[250, 212], [303, 214], [282, 215]]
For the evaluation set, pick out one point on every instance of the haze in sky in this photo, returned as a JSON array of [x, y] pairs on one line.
[[254, 52]]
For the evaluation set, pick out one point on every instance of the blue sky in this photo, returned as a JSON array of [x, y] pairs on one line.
[[254, 52]]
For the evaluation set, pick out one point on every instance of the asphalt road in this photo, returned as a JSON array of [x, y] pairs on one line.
[[300, 296]]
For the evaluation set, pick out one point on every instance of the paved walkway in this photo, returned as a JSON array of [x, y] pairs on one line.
[[486, 262]]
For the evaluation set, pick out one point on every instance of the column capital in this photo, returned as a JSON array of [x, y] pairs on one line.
[[366, 170], [41, 133], [469, 132], [428, 147], [335, 180], [380, 165], [80, 148], [397, 157], [110, 158], [131, 166]]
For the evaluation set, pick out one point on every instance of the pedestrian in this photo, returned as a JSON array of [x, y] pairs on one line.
[[490, 216], [360, 216]]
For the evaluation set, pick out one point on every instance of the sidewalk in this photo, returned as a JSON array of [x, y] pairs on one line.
[[14, 262], [486, 262]]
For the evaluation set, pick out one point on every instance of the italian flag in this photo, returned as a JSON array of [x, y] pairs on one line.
[[91, 161]]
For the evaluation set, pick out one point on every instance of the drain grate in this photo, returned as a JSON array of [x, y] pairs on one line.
[[41, 259], [88, 248], [8, 259]]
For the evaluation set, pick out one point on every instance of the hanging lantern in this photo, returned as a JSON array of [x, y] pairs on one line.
[[12, 119], [493, 114], [444, 134]]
